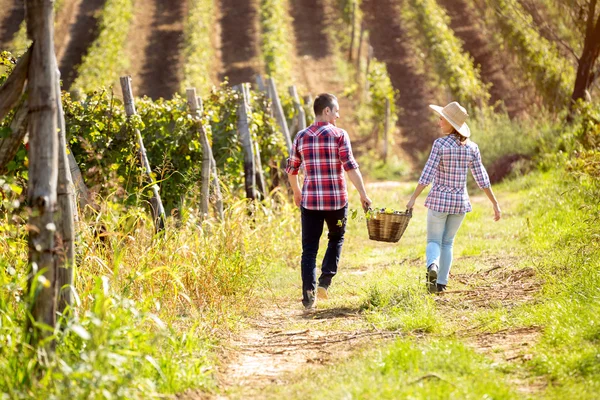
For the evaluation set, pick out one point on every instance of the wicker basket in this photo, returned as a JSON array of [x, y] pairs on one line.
[[388, 227]]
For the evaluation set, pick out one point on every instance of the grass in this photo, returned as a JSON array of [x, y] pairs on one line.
[[148, 310], [542, 228], [199, 51]]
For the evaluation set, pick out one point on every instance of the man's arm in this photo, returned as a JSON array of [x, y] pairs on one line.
[[293, 178], [356, 179]]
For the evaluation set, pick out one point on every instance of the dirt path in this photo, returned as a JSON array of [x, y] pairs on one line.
[[283, 341], [240, 55], [388, 38], [496, 66], [75, 34], [155, 50], [12, 13]]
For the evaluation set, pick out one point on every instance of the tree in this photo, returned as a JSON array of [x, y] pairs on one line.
[[591, 49]]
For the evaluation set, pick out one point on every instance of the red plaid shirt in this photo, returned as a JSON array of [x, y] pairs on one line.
[[325, 151], [447, 168]]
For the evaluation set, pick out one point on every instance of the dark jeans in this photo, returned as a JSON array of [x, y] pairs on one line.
[[312, 229]]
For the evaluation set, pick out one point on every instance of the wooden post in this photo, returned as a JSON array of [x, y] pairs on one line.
[[12, 88], [352, 34], [260, 83], [360, 43], [10, 145], [43, 168], [386, 130], [309, 111], [67, 214], [84, 197], [278, 109], [158, 211], [369, 57], [260, 175], [216, 184], [299, 110], [192, 101], [243, 125]]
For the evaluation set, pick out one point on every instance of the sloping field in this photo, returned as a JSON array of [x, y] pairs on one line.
[[388, 38], [155, 44], [239, 40], [12, 12]]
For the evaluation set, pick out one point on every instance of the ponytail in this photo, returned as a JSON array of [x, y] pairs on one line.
[[460, 137]]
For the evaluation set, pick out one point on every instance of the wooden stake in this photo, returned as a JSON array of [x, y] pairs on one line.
[[43, 169], [260, 83], [299, 110], [386, 130], [360, 43], [67, 214], [192, 101], [158, 211], [308, 104], [10, 145], [246, 141], [279, 115], [216, 184], [260, 175], [12, 89], [353, 31], [369, 57]]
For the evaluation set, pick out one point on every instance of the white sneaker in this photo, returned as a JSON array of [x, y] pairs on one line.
[[322, 293]]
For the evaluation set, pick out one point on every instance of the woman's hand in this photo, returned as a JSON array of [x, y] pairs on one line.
[[410, 205], [497, 212]]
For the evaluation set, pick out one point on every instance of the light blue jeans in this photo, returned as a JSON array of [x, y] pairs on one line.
[[441, 230]]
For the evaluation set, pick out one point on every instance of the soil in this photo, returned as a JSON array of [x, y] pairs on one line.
[[388, 38], [156, 43], [512, 346], [283, 342], [240, 55], [314, 69], [12, 13], [72, 43]]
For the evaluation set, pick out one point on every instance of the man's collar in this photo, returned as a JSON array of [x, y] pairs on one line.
[[320, 123]]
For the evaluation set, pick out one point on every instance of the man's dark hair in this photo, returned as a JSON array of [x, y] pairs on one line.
[[323, 101]]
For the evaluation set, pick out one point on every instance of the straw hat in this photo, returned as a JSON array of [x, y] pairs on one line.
[[456, 115]]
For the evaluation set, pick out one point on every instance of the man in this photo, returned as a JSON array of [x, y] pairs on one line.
[[325, 151]]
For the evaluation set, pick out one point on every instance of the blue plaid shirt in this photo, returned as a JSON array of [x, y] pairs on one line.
[[447, 168]]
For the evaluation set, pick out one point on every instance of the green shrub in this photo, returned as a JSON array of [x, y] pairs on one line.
[[104, 61], [199, 50], [453, 65]]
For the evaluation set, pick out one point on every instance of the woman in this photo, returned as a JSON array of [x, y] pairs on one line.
[[448, 201]]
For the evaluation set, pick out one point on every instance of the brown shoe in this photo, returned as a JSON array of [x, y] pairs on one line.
[[322, 293]]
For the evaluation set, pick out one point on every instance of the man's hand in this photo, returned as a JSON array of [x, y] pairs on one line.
[[411, 204], [497, 212], [366, 202], [297, 197]]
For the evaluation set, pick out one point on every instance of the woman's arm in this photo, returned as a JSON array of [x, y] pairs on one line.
[[490, 194], [417, 192]]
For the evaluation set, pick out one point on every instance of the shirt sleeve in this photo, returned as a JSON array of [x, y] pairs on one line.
[[295, 159], [346, 156], [478, 170], [431, 166]]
